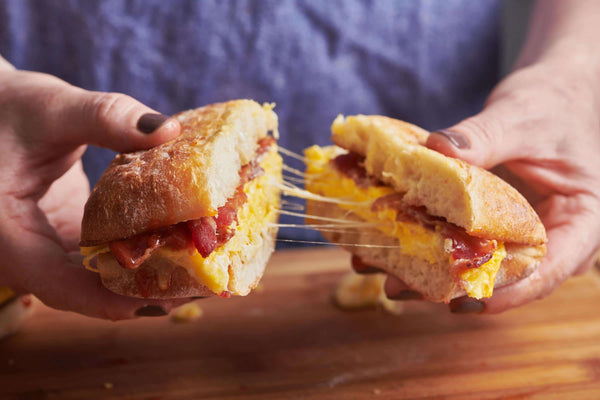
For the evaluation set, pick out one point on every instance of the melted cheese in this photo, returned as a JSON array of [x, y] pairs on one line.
[[414, 240], [260, 210], [356, 291]]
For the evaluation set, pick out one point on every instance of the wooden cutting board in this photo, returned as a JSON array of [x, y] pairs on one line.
[[288, 341]]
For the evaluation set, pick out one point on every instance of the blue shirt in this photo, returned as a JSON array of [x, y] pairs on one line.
[[430, 62]]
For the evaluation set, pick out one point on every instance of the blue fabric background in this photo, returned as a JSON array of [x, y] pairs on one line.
[[430, 62]]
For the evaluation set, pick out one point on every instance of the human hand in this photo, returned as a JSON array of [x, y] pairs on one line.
[[45, 124], [542, 126]]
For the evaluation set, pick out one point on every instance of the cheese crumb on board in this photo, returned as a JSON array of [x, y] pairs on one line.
[[187, 313]]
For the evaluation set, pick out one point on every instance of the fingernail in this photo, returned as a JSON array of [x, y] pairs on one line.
[[148, 123], [457, 139], [406, 295], [467, 306], [150, 311]]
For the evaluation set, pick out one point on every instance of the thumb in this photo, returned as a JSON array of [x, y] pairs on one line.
[[481, 140], [111, 120]]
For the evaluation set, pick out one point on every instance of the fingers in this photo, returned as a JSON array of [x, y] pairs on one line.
[[35, 262], [395, 289], [362, 268], [481, 140], [62, 283], [570, 245], [5, 65], [81, 291], [63, 205], [113, 120], [47, 111]]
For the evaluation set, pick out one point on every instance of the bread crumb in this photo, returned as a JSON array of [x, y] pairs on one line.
[[187, 313], [108, 385], [376, 391]]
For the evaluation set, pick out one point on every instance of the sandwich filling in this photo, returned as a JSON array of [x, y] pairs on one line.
[[474, 262], [205, 246]]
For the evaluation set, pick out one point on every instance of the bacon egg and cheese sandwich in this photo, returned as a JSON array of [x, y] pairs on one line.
[[444, 227], [195, 216]]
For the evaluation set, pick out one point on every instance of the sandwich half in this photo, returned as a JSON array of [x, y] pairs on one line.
[[195, 216], [444, 227]]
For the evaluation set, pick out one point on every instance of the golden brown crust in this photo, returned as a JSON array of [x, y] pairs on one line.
[[468, 196], [432, 280], [185, 178]]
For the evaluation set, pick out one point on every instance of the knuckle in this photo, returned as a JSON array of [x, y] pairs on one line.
[[107, 105], [486, 131]]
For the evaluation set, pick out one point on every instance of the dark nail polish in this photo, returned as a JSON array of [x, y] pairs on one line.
[[407, 295], [457, 139], [150, 311], [148, 123], [467, 306]]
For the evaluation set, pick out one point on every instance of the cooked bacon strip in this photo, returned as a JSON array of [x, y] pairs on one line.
[[352, 165], [206, 233], [131, 253]]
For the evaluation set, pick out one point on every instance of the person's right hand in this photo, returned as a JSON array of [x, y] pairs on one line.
[[45, 124], [541, 125]]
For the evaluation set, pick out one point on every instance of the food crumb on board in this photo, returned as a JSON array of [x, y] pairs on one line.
[[187, 313], [356, 291], [108, 385]]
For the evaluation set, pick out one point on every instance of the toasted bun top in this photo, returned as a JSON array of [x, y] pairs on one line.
[[466, 195], [186, 178]]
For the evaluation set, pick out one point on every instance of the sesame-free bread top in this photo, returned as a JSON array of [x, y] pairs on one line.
[[466, 195], [186, 178]]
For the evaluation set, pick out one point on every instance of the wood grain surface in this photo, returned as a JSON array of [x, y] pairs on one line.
[[289, 341]]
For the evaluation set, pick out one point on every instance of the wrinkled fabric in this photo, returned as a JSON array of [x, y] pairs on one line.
[[430, 62]]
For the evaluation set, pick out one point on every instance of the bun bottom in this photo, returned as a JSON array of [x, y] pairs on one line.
[[13, 314], [433, 281], [161, 278]]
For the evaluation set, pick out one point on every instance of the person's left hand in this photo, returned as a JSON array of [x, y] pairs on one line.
[[45, 124]]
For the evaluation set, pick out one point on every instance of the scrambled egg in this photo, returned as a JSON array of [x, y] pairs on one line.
[[260, 209], [414, 239]]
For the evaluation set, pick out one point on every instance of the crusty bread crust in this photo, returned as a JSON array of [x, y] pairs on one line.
[[433, 281], [468, 196], [162, 279], [186, 178]]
